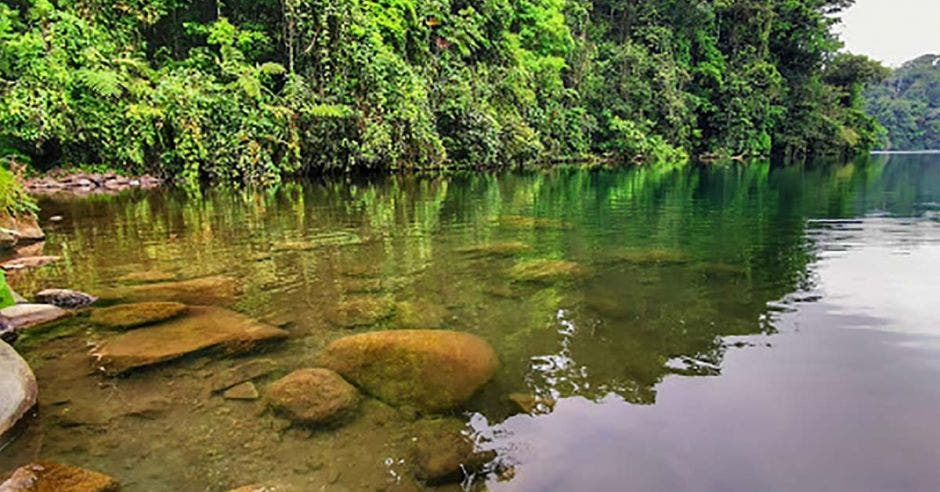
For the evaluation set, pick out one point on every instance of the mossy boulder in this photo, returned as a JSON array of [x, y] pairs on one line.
[[427, 370], [202, 328], [313, 396], [125, 316], [443, 452], [545, 271], [361, 311], [47, 476]]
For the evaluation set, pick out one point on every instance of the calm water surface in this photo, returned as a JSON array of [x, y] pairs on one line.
[[739, 328]]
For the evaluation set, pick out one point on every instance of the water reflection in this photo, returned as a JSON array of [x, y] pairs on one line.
[[697, 343]]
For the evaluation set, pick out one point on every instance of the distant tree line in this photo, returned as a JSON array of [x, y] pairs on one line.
[[908, 105], [251, 90]]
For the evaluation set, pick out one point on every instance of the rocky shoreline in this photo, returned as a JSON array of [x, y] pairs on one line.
[[82, 183]]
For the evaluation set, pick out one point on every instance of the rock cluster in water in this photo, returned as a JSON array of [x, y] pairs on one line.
[[47, 476], [85, 183], [204, 328]]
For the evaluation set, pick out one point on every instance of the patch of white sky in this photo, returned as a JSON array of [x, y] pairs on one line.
[[892, 31]]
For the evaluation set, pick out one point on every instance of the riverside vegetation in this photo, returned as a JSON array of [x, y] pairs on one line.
[[256, 90]]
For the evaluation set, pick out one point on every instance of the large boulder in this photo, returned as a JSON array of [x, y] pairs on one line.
[[427, 370], [443, 452], [203, 328], [124, 316], [47, 476], [216, 289], [313, 396], [65, 298], [17, 388], [22, 316]]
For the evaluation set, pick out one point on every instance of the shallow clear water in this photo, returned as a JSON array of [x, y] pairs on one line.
[[736, 328]]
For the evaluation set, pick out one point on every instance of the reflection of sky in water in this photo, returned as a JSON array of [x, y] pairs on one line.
[[881, 273], [813, 407]]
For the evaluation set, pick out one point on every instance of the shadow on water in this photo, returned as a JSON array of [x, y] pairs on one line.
[[599, 290]]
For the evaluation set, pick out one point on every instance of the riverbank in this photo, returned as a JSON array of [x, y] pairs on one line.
[[79, 182]]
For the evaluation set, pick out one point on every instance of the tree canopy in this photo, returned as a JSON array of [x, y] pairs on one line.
[[254, 90], [908, 105]]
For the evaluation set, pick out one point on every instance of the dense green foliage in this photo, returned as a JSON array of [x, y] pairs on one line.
[[252, 90], [14, 201], [908, 105]]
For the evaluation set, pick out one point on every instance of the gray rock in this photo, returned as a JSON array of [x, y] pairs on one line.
[[65, 298], [24, 316], [18, 389]]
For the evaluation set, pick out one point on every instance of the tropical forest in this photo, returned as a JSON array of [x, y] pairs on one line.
[[469, 245]]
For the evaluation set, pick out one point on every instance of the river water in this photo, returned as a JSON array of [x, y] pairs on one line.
[[732, 328]]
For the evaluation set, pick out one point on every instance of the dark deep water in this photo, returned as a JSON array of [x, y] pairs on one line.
[[737, 328]]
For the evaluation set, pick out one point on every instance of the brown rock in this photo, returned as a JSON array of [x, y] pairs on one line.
[[206, 290], [243, 391], [47, 476], [313, 396], [532, 404], [443, 452], [429, 370], [22, 316], [124, 316], [28, 262], [26, 226], [203, 328], [243, 372]]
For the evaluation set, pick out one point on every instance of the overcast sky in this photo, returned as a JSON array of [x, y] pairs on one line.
[[892, 31]]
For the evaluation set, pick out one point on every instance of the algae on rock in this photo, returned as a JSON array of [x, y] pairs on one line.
[[428, 370]]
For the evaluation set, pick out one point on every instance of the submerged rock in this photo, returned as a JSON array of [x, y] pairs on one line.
[[506, 248], [65, 298], [545, 271], [420, 314], [17, 388], [361, 311], [651, 256], [26, 262], [22, 316], [203, 328], [532, 404], [243, 391], [313, 396], [47, 476], [205, 290], [525, 222], [146, 277], [124, 316], [443, 452], [242, 373], [428, 370]]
